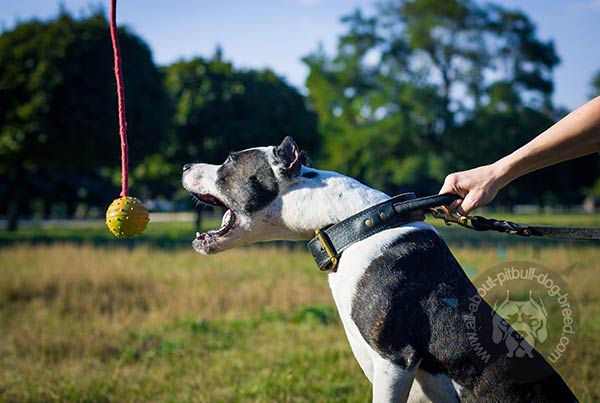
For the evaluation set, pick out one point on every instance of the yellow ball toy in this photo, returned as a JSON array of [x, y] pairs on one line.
[[126, 217]]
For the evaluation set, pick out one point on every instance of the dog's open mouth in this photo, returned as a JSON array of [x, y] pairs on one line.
[[204, 240]]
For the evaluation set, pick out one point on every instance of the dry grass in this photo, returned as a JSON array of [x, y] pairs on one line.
[[82, 323]]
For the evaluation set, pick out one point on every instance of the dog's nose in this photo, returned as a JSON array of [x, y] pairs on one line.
[[186, 167]]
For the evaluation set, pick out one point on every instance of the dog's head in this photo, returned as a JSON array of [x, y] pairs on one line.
[[247, 185], [528, 317]]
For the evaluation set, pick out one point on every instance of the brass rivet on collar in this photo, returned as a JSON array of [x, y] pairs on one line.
[[382, 215], [368, 222]]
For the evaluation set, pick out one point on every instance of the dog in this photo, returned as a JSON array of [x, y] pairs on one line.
[[391, 289], [529, 325]]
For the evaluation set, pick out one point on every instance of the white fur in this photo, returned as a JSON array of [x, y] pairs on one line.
[[311, 203], [390, 383], [307, 204], [437, 388], [343, 282]]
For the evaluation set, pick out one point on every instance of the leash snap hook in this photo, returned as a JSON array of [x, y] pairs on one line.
[[449, 218], [464, 220]]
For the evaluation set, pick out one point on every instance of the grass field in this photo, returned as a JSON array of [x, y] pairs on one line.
[[84, 317]]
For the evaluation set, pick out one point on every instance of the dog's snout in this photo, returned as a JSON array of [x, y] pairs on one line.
[[186, 167]]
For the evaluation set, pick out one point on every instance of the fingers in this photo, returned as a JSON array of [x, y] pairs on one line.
[[469, 203], [455, 205], [476, 187], [451, 186]]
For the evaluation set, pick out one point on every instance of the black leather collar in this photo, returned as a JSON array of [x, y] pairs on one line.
[[331, 241]]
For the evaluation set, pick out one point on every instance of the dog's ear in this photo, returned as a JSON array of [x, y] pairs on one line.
[[290, 157], [305, 159], [498, 328], [542, 334]]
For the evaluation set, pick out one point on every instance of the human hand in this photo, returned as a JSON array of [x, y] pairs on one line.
[[476, 187]]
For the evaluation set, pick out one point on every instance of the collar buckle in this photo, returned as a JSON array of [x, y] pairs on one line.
[[332, 263]]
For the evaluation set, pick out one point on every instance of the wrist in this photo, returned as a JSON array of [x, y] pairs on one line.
[[503, 172]]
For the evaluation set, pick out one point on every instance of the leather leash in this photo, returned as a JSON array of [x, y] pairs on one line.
[[329, 242]]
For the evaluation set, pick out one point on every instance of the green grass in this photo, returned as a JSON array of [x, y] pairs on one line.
[[85, 317], [180, 234], [166, 234], [81, 323]]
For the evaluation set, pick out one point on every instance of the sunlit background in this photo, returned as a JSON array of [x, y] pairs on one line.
[[277, 34], [397, 94]]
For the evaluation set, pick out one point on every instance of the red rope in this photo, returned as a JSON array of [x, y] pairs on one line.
[[121, 100]]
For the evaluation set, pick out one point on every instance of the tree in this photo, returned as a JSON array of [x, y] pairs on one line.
[[371, 113], [449, 38], [58, 104], [594, 190], [426, 87], [595, 85], [219, 109]]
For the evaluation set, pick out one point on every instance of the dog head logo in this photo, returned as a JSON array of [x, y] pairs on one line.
[[520, 324]]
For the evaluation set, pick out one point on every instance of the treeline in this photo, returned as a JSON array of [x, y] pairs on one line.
[[418, 90], [423, 88], [59, 144]]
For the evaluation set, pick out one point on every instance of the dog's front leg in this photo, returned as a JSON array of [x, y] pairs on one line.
[[391, 383]]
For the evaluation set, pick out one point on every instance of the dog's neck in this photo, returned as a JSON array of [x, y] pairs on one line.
[[319, 198]]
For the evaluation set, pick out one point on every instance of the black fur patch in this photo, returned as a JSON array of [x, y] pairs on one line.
[[310, 174], [394, 299], [248, 181], [401, 309]]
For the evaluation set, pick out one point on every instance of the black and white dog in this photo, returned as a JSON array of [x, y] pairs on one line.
[[391, 289]]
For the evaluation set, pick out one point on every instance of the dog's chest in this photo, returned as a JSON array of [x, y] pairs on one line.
[[353, 265]]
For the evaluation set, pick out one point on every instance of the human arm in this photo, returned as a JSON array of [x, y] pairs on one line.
[[576, 135]]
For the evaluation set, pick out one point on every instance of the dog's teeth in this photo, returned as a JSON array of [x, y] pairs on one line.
[[226, 218]]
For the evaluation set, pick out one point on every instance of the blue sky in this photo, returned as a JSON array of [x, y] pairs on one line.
[[277, 33]]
